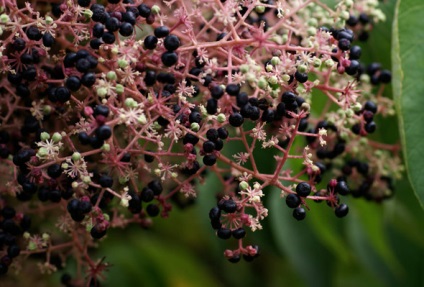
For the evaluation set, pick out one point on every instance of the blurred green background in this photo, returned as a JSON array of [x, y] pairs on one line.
[[375, 245]]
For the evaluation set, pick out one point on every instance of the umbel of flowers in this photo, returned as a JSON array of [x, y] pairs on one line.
[[112, 113]]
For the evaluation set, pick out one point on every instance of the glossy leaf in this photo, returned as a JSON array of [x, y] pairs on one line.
[[408, 86]]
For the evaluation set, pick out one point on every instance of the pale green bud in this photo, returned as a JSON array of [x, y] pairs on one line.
[[44, 136]]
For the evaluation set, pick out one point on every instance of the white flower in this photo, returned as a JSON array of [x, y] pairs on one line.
[[48, 149]]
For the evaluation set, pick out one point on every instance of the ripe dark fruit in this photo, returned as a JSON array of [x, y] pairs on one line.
[[344, 44], [150, 42], [299, 213], [224, 233], [211, 106], [355, 53], [48, 39], [126, 29], [171, 42], [239, 233], [385, 77], [33, 33], [62, 94], [190, 138], [104, 132], [169, 58], [219, 144], [54, 170], [292, 200], [209, 159], [342, 188], [232, 89], [108, 38], [195, 117], [88, 79], [216, 224], [352, 69], [352, 21], [101, 110], [364, 19], [342, 210], [13, 251], [105, 181], [144, 10], [156, 186], [229, 206], [152, 210], [214, 213], [370, 127], [83, 65], [236, 119], [147, 195], [19, 44], [97, 232], [208, 146], [73, 83], [161, 31], [112, 24], [222, 133], [301, 77], [235, 258], [303, 189], [212, 134], [217, 92]]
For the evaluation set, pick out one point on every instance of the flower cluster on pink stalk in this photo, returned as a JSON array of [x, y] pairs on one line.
[[113, 113]]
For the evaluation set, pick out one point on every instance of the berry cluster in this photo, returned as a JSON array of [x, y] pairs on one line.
[[111, 113]]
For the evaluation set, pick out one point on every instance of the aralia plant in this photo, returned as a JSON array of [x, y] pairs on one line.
[[112, 113]]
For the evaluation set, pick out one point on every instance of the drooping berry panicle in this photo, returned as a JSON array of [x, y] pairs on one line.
[[113, 113]]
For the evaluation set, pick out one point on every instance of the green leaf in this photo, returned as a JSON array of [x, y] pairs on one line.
[[408, 86], [148, 260], [325, 225], [370, 218], [296, 240]]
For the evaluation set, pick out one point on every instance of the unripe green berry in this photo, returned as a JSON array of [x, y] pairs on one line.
[[221, 118], [42, 151], [273, 80], [243, 185], [130, 103], [357, 107], [122, 63], [86, 179], [329, 63], [142, 119], [285, 78], [302, 68], [194, 127], [260, 9], [76, 156], [111, 75], [4, 18], [105, 147], [244, 68], [275, 61], [317, 63], [44, 136], [49, 20], [119, 89], [101, 92], [262, 83], [57, 137], [155, 9]]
